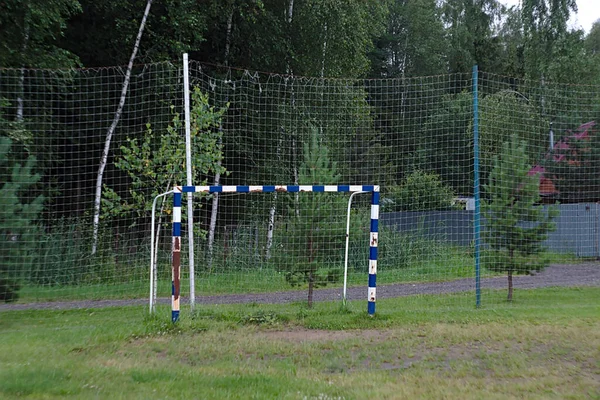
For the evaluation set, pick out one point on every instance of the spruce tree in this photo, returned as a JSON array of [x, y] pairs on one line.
[[515, 224], [20, 210], [315, 231]]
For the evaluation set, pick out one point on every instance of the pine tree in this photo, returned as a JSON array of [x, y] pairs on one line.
[[515, 225], [17, 219], [313, 232]]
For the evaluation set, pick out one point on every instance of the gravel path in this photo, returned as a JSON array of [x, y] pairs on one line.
[[584, 274]]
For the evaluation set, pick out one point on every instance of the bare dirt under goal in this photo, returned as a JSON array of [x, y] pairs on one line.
[[556, 275]]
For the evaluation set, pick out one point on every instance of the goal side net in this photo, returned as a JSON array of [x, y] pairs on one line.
[[305, 248]]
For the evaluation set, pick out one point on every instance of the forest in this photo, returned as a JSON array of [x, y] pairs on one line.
[[331, 38], [284, 92]]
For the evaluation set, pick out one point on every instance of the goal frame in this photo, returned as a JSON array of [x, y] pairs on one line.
[[176, 237]]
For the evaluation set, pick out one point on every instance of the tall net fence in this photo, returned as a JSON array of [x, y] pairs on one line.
[[415, 137]]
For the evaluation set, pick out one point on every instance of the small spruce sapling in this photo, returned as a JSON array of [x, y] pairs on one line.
[[515, 224], [313, 228]]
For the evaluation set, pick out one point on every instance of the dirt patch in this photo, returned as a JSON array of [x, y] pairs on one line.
[[301, 335]]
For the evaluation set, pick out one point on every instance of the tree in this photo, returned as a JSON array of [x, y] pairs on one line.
[[31, 33], [444, 142], [545, 25], [412, 43], [20, 211], [472, 33], [503, 114], [104, 33], [592, 40], [312, 232], [157, 162], [515, 225], [113, 126]]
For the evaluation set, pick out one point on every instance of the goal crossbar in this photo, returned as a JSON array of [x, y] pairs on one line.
[[176, 239]]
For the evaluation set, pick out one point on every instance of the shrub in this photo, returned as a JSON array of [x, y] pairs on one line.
[[420, 191]]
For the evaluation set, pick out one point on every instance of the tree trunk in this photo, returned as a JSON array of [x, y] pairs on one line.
[[111, 129], [511, 254], [21, 87], [228, 37], [271, 227], [279, 144], [290, 11], [213, 217], [215, 201], [311, 285], [510, 286]]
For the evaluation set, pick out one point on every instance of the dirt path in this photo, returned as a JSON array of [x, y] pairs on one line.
[[584, 274]]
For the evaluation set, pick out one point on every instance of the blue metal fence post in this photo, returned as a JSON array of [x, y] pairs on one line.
[[477, 221]]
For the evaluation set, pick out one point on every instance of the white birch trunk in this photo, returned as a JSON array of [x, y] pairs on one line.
[[213, 216], [290, 11], [215, 203], [111, 129], [228, 37], [21, 87], [271, 227]]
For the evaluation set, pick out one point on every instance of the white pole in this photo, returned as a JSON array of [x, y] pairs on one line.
[[152, 300], [188, 165], [347, 243]]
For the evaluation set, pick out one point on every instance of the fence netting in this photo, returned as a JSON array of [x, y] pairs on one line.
[[415, 137]]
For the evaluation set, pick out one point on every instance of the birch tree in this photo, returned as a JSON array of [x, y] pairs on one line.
[[545, 27], [113, 126], [154, 162]]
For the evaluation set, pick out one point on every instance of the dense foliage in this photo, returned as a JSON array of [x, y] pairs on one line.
[[420, 191]]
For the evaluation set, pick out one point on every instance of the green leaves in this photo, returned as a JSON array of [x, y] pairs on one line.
[[31, 30], [420, 191], [156, 162]]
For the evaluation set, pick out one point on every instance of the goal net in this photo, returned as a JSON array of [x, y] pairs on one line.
[[303, 247]]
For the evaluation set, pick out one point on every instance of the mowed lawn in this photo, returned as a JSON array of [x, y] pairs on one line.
[[544, 345]]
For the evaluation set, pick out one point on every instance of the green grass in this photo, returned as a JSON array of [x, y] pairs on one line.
[[546, 344]]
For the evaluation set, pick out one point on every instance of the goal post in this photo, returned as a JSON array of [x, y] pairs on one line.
[[176, 238]]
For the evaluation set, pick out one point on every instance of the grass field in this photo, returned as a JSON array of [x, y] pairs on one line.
[[546, 344]]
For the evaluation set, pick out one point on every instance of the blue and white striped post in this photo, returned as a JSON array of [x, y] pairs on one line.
[[373, 237], [176, 255]]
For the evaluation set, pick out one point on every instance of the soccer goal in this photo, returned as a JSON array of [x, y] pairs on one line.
[[297, 190]]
